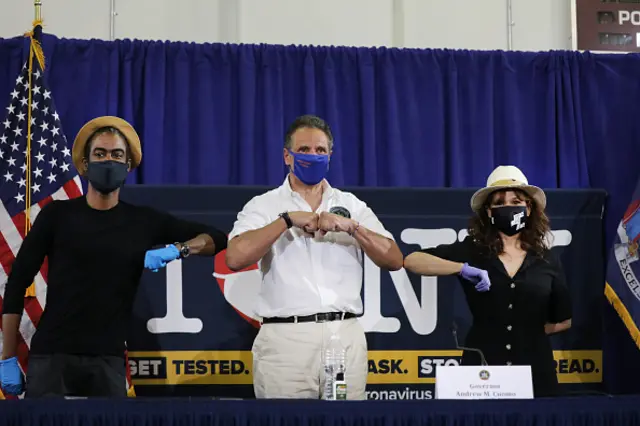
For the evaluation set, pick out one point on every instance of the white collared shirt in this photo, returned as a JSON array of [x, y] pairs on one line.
[[304, 275]]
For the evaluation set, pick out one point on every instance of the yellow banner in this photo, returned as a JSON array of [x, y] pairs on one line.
[[385, 367], [191, 368], [413, 367], [578, 366]]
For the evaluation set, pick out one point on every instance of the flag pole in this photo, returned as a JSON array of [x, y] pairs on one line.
[[35, 51]]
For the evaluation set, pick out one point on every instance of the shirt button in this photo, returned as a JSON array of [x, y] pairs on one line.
[[510, 306], [513, 285], [509, 328], [508, 347]]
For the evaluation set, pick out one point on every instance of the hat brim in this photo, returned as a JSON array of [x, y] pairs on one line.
[[480, 196], [89, 129]]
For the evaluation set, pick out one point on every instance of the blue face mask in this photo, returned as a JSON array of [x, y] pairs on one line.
[[310, 168]]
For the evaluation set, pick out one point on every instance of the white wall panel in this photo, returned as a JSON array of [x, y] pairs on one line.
[[66, 18], [176, 20], [541, 24], [455, 24], [326, 22]]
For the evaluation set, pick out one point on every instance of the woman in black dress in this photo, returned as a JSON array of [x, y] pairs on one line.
[[514, 286]]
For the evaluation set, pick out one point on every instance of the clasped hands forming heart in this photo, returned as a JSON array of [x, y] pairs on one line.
[[322, 223]]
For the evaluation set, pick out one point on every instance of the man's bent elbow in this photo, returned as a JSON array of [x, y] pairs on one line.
[[396, 263], [395, 259], [233, 260], [234, 256]]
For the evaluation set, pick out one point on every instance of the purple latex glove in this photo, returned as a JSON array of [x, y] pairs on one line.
[[479, 277]]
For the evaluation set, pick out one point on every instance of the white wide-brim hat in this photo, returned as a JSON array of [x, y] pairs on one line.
[[507, 177]]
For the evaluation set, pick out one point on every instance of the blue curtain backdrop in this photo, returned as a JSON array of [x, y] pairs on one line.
[[216, 114]]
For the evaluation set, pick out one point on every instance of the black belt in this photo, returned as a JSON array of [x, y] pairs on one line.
[[323, 317]]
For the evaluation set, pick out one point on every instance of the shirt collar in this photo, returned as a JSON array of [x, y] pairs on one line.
[[327, 191]]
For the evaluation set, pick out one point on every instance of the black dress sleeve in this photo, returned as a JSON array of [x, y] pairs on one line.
[[560, 300], [35, 247], [170, 229], [460, 251]]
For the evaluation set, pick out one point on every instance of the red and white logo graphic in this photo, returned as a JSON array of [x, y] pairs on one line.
[[240, 288]]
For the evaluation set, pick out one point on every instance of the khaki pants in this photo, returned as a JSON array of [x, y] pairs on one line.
[[287, 359]]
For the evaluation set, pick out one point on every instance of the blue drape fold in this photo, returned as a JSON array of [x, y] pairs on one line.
[[216, 113]]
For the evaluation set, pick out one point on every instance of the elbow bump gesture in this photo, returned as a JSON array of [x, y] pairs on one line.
[[479, 277]]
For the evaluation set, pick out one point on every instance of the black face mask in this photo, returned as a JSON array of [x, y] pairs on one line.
[[107, 176], [509, 219]]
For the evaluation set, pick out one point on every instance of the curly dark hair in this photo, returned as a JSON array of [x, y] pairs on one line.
[[533, 237]]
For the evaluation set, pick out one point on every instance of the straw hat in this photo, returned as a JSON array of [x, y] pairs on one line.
[[506, 177], [107, 121]]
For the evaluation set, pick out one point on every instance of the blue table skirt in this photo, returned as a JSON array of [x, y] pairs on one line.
[[578, 411]]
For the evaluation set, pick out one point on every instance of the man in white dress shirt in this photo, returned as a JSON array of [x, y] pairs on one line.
[[308, 238]]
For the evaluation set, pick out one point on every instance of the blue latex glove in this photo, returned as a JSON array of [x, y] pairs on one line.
[[158, 258], [11, 376], [479, 277]]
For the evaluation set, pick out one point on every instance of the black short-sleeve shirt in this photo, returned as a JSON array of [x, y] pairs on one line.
[[509, 319]]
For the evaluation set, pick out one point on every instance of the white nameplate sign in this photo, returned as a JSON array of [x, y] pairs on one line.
[[484, 382]]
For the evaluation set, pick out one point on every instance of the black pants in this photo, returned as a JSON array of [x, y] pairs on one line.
[[62, 375]]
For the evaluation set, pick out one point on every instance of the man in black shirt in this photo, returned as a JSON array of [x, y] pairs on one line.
[[97, 247]]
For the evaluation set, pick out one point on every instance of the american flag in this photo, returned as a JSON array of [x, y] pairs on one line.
[[52, 177]]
